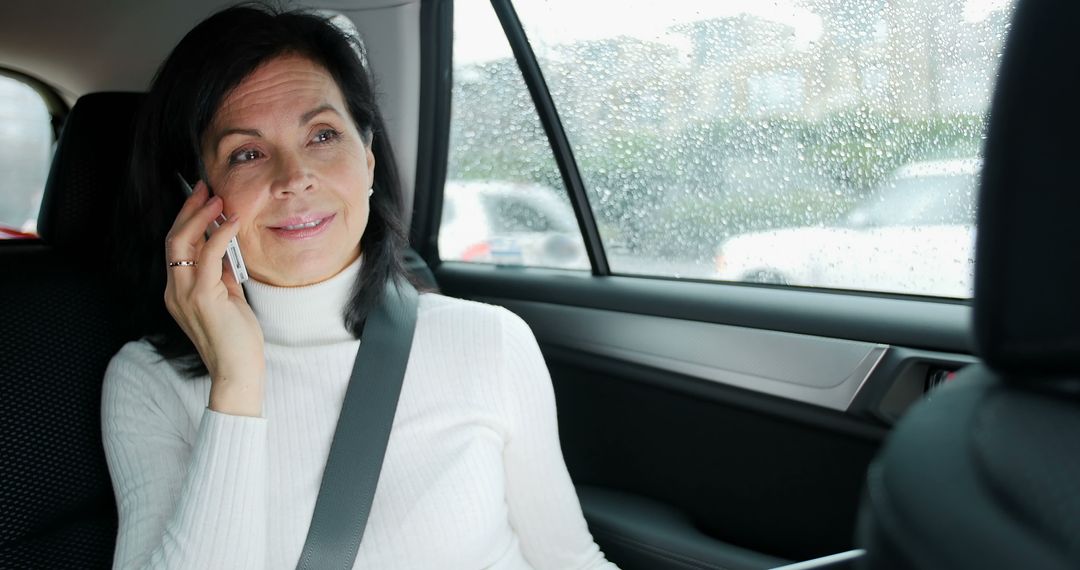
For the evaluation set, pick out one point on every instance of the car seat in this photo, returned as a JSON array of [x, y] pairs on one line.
[[985, 473], [58, 330]]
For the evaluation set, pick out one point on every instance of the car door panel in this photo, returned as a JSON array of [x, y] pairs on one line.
[[706, 424], [646, 534], [913, 322], [718, 420], [815, 370]]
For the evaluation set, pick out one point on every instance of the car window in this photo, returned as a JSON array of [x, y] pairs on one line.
[[26, 146], [735, 140], [504, 201], [921, 201], [510, 215]]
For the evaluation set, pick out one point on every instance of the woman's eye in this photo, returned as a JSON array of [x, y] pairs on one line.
[[326, 135], [243, 156]]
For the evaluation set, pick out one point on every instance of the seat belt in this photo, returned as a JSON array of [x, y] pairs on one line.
[[363, 430]]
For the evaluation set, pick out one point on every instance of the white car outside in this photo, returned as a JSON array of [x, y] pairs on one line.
[[509, 223], [914, 235]]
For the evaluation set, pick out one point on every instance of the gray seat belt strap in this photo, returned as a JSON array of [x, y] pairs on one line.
[[363, 430]]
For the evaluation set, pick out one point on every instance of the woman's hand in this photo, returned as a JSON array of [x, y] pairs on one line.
[[210, 307]]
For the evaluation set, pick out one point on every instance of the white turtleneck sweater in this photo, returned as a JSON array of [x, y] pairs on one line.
[[473, 476]]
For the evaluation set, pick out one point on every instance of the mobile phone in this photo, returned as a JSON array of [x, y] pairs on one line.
[[232, 251]]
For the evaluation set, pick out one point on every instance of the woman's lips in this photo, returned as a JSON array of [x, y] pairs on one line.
[[303, 228]]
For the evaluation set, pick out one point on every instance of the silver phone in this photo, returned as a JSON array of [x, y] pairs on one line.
[[232, 251]]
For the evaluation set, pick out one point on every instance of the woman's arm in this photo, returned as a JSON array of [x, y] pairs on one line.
[[544, 508], [186, 498]]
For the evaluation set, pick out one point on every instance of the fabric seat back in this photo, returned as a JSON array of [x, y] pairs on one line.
[[59, 326]]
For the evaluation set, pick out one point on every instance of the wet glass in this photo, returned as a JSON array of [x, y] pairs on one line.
[[26, 145], [504, 201], [735, 140]]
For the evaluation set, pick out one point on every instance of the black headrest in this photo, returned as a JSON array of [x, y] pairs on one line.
[[88, 171], [1027, 276]]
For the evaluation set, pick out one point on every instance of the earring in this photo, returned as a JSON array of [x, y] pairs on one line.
[[370, 191]]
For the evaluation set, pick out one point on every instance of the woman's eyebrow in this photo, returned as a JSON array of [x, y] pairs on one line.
[[304, 119], [314, 112], [227, 132]]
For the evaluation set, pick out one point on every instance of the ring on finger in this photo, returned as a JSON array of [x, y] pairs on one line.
[[183, 263]]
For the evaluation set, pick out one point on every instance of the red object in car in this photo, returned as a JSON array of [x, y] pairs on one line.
[[11, 233]]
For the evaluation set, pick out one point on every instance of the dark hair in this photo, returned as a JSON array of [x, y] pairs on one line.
[[210, 61]]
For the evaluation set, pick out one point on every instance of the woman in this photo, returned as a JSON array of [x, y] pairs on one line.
[[217, 425]]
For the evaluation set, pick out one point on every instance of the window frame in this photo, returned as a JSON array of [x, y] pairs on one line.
[[433, 139], [556, 134], [58, 109]]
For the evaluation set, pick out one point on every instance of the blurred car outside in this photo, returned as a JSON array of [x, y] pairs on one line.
[[509, 223], [915, 234]]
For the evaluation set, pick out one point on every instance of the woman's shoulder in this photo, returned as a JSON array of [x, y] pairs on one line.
[[439, 310], [138, 362], [143, 390], [437, 305], [138, 353]]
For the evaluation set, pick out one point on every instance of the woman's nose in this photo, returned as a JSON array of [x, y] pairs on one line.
[[293, 177]]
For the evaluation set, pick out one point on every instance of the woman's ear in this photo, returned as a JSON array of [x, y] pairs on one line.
[[370, 155]]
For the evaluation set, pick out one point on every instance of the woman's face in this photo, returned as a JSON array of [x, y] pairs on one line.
[[283, 152]]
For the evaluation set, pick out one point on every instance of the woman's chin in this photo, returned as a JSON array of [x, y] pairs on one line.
[[302, 270]]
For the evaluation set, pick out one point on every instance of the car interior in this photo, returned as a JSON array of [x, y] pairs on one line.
[[706, 425]]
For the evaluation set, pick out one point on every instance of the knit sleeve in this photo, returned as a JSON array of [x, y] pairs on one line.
[[544, 508], [183, 501]]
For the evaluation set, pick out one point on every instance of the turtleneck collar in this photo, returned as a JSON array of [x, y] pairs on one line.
[[311, 315]]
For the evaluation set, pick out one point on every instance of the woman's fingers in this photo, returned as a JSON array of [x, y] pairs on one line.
[[199, 195], [185, 240], [234, 288], [209, 272], [190, 209]]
